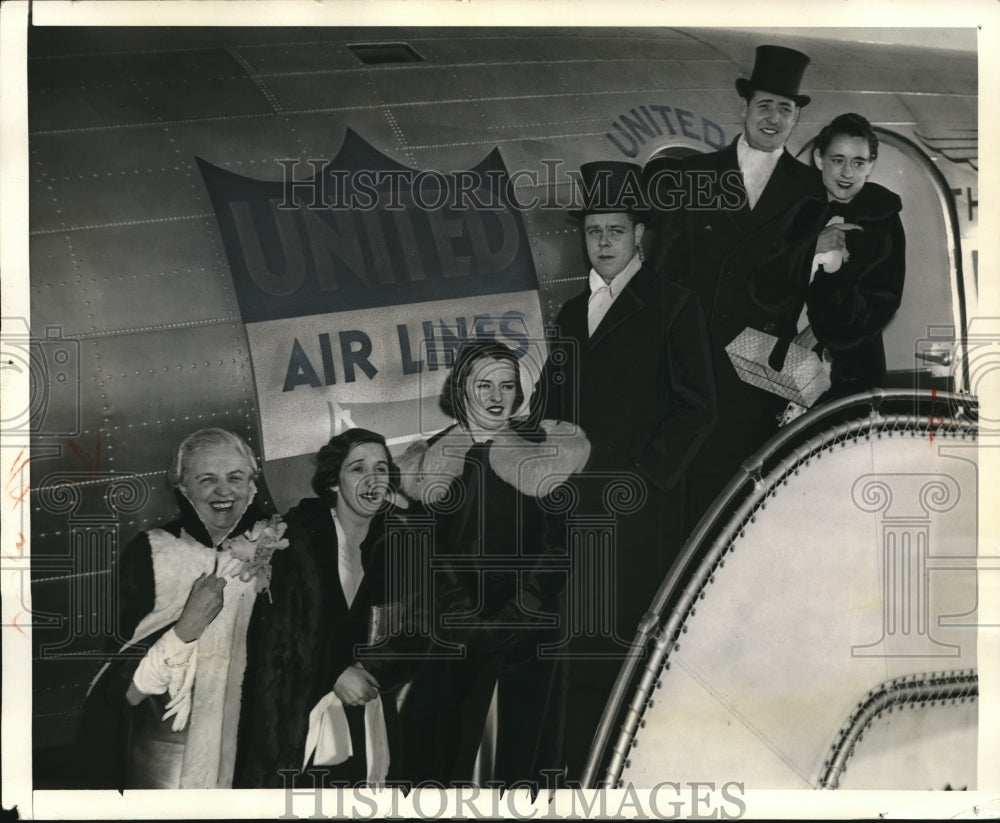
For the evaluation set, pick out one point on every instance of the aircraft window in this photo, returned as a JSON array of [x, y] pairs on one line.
[[380, 54]]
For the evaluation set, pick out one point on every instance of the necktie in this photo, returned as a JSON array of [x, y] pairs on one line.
[[598, 305]]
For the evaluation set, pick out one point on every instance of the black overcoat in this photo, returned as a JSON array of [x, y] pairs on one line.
[[642, 390], [712, 247], [493, 539]]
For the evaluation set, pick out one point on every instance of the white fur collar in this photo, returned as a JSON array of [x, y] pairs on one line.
[[533, 468]]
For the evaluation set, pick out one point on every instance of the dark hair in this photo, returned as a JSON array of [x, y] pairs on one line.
[[331, 457], [452, 400], [850, 125]]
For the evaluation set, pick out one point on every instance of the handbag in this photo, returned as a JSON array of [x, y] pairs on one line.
[[384, 622], [779, 365]]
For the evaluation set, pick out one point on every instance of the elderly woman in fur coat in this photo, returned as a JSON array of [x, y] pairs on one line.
[[497, 570], [163, 712]]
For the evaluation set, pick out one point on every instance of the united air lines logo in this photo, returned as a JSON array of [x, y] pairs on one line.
[[357, 278], [364, 231]]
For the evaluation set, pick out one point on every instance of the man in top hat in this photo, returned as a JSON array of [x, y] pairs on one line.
[[742, 192], [632, 367]]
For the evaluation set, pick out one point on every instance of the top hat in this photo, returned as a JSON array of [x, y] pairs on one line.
[[610, 187], [777, 70]]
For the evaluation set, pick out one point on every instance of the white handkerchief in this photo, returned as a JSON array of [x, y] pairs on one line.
[[329, 737], [328, 740], [169, 666], [376, 742]]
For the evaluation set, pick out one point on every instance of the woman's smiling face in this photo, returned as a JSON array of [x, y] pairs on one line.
[[845, 166], [364, 480], [218, 482], [490, 391]]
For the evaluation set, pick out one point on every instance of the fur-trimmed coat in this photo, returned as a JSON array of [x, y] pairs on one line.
[[847, 308], [497, 566], [488, 500], [148, 582]]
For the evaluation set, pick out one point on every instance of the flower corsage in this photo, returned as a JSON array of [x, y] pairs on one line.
[[254, 548]]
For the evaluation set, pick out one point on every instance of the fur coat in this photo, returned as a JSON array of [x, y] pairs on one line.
[[848, 307], [155, 573]]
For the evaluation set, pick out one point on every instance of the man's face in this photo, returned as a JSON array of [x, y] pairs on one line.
[[611, 242], [768, 120]]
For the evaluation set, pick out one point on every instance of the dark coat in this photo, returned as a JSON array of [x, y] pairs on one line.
[[712, 247], [848, 308], [300, 640], [640, 388], [107, 721], [489, 564]]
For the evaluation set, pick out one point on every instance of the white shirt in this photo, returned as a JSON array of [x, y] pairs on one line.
[[602, 294], [757, 167], [348, 563]]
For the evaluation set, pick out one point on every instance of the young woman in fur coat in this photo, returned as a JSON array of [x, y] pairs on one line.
[[848, 257], [312, 699], [498, 565]]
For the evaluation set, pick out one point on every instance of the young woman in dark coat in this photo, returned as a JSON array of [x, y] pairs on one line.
[[848, 258], [305, 642], [486, 483]]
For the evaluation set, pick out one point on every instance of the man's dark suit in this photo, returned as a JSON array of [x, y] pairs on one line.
[[641, 389], [712, 250]]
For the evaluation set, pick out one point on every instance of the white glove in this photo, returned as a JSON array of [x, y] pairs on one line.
[[169, 666], [180, 689]]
